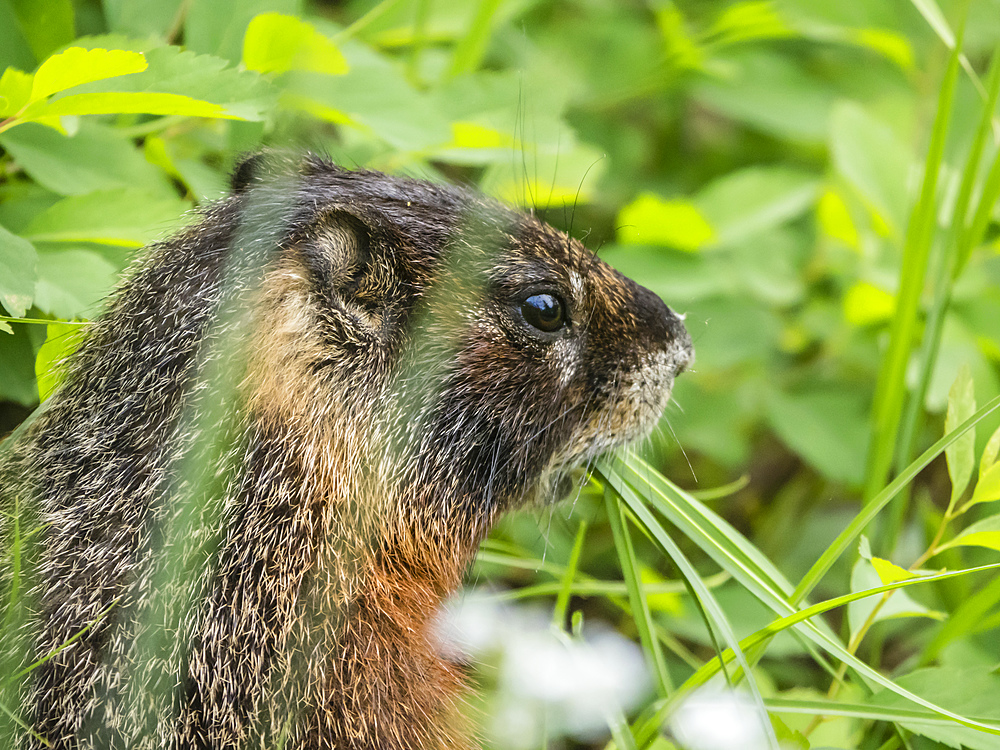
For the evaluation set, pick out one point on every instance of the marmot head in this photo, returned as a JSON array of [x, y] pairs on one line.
[[492, 352]]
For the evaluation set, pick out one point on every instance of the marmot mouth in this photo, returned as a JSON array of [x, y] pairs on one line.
[[633, 410]]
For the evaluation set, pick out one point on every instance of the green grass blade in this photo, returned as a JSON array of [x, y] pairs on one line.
[[765, 634], [566, 588], [637, 597], [858, 711], [969, 238], [803, 617], [854, 529], [470, 48], [890, 390], [952, 257], [719, 540], [645, 518]]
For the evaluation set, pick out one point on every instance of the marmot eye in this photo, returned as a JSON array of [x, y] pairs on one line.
[[545, 312]]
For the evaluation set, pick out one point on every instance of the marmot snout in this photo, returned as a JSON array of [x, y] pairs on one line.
[[278, 450]]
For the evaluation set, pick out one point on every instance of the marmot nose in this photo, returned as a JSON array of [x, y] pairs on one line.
[[667, 327], [683, 347]]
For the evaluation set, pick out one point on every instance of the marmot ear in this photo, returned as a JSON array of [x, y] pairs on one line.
[[245, 171], [349, 267]]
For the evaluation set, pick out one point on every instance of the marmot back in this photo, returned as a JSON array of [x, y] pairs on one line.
[[279, 448]]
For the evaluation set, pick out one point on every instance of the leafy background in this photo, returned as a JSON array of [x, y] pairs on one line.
[[812, 181]]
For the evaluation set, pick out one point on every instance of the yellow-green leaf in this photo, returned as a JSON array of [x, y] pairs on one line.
[[866, 303], [990, 452], [76, 66], [61, 340], [15, 91], [276, 43], [472, 135], [665, 601], [985, 533], [889, 572], [125, 102], [835, 220], [652, 220], [987, 488]]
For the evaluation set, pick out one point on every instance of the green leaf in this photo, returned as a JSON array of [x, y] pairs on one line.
[[746, 21], [745, 203], [826, 426], [131, 218], [374, 96], [17, 366], [61, 341], [47, 24], [990, 452], [870, 156], [969, 690], [126, 103], [77, 66], [205, 78], [864, 576], [276, 44], [987, 488], [960, 455], [772, 93], [18, 273], [219, 28], [142, 18], [877, 503], [652, 220], [985, 533], [15, 47], [96, 157], [73, 282]]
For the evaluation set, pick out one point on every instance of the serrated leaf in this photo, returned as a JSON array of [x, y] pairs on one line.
[[126, 103], [960, 455], [653, 220], [985, 533], [125, 217], [61, 340], [899, 604], [18, 273], [275, 43], [206, 78], [77, 66], [15, 91]]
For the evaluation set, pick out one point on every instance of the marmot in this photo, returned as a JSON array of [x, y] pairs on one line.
[[278, 449]]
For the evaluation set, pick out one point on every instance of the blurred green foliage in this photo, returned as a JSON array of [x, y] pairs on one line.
[[760, 165]]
